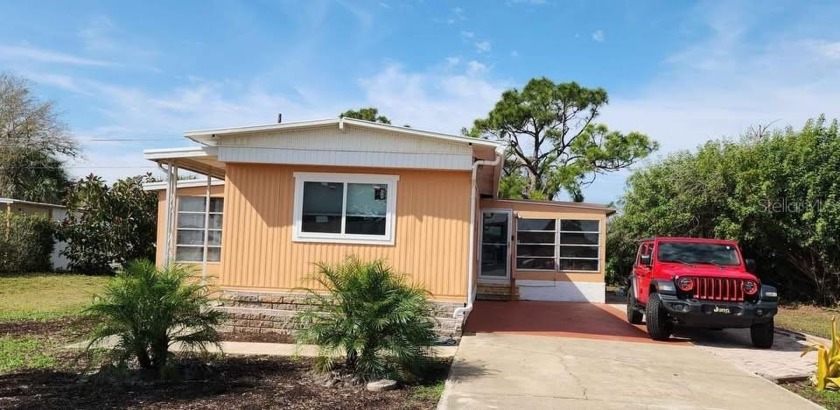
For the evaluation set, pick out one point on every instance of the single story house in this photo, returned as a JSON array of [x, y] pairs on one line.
[[52, 212], [278, 198]]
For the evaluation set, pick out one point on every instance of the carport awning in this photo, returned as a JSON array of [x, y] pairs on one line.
[[201, 160]]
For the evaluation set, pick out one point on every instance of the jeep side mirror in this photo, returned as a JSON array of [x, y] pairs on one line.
[[750, 264], [645, 260]]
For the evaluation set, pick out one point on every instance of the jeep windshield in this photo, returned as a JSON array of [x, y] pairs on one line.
[[698, 253]]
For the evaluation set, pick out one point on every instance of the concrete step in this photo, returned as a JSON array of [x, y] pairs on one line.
[[493, 291]]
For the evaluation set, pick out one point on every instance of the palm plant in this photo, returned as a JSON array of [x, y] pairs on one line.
[[371, 317], [147, 310]]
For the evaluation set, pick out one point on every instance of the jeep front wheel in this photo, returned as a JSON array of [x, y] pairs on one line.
[[633, 314], [659, 326], [762, 335]]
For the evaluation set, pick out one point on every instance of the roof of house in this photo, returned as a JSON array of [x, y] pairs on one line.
[[211, 136], [20, 201], [264, 144]]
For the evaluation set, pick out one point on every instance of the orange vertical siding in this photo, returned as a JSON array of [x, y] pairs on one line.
[[431, 238]]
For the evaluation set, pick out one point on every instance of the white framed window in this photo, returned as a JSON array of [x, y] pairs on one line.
[[535, 244], [345, 208], [558, 245], [578, 245], [192, 214]]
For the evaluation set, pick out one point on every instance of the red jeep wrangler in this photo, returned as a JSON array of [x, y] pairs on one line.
[[699, 283]]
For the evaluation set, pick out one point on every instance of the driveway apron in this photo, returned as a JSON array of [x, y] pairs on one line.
[[567, 363]]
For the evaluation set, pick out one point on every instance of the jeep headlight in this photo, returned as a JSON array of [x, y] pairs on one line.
[[750, 287]]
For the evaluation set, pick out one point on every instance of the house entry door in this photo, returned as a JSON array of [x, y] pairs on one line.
[[495, 244]]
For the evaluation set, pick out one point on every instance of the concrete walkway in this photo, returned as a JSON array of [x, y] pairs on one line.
[[264, 349], [514, 371]]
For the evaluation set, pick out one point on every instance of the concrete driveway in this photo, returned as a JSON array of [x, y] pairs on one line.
[[565, 362]]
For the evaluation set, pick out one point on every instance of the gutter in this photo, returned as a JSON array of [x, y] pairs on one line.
[[463, 312]]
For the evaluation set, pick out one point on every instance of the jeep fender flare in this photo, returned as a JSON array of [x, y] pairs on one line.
[[663, 287]]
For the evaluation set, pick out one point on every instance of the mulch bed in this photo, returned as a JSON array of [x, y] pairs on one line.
[[231, 383]]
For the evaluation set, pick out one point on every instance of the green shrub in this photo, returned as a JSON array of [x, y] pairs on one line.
[[371, 317], [123, 213], [26, 244], [147, 310]]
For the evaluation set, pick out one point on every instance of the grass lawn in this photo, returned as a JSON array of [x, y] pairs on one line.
[[808, 319], [46, 296], [24, 353], [826, 398], [36, 316]]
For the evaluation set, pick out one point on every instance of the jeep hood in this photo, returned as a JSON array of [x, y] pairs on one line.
[[704, 270]]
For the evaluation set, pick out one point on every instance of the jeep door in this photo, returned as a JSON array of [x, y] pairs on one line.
[[642, 271]]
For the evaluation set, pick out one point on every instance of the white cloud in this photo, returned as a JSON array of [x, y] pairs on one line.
[[33, 54], [467, 34], [443, 98], [827, 49], [440, 101], [97, 34], [483, 46], [452, 61], [101, 37], [598, 36], [475, 68], [726, 83], [135, 118], [456, 15]]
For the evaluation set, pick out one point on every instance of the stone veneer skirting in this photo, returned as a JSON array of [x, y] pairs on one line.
[[266, 312]]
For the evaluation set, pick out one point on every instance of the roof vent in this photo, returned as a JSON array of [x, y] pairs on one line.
[[280, 118]]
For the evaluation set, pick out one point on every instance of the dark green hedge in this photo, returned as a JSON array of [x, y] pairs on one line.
[[26, 243]]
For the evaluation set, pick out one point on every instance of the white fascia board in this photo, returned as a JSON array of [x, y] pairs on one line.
[[186, 183], [175, 153]]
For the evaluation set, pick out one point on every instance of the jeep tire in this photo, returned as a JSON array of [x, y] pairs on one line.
[[659, 326], [634, 316], [762, 335]]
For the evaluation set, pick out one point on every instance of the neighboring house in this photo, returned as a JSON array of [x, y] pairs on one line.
[[279, 198], [51, 211]]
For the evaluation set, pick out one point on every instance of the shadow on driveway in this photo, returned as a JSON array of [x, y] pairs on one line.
[[559, 319]]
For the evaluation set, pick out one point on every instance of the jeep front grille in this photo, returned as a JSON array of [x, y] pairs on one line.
[[725, 289]]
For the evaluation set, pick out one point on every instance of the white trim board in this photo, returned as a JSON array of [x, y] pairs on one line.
[[184, 183], [561, 291]]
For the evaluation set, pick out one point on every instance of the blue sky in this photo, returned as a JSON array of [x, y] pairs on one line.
[[129, 76]]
